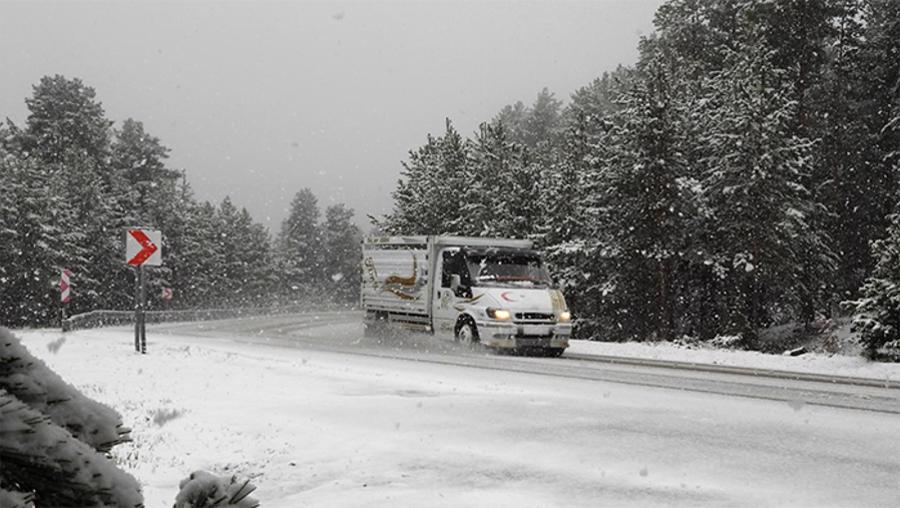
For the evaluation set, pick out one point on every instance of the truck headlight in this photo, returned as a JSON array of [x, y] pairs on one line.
[[565, 316], [499, 314]]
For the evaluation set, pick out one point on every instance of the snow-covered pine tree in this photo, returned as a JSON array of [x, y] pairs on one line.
[[878, 310], [139, 158], [515, 118], [866, 183], [149, 194], [198, 262], [65, 115], [572, 193], [760, 210], [542, 123], [341, 238], [67, 136], [299, 246], [86, 187], [53, 439], [416, 210], [247, 259], [649, 206], [255, 252], [533, 126], [428, 197], [500, 195], [35, 235]]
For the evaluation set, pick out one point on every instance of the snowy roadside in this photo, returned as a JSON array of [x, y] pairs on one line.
[[814, 363], [314, 428]]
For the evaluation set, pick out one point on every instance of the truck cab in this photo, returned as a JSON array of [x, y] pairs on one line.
[[500, 297]]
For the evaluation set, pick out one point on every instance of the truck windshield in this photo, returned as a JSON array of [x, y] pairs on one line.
[[507, 270]]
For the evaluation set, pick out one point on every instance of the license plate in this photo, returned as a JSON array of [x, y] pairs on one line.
[[532, 342], [535, 330]]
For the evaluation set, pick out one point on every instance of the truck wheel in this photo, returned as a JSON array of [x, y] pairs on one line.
[[554, 352], [374, 326], [466, 331]]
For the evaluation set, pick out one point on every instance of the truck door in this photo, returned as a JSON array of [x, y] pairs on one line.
[[451, 262]]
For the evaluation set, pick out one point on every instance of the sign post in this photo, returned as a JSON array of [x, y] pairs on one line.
[[65, 294], [143, 247]]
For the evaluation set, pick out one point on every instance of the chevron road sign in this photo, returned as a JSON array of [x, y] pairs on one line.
[[143, 247]]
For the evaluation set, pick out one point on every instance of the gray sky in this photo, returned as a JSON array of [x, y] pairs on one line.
[[258, 99]]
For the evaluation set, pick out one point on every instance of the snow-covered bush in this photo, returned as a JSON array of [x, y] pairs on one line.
[[727, 341], [53, 439], [202, 489]]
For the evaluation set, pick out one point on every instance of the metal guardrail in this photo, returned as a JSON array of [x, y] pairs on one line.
[[740, 370], [100, 318]]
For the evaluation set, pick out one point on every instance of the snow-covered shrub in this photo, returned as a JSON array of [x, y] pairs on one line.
[[53, 439], [890, 350], [687, 341], [202, 489], [727, 341]]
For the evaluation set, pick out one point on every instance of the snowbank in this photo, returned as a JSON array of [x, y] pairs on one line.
[[818, 363]]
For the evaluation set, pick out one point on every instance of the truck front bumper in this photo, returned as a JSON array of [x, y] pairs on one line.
[[517, 335]]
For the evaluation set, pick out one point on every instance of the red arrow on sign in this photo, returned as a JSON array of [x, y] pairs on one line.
[[147, 250]]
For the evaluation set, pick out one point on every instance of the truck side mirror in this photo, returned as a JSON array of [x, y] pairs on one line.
[[454, 282]]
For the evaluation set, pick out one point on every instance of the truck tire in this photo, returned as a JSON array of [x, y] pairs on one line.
[[554, 352], [374, 326], [466, 331]]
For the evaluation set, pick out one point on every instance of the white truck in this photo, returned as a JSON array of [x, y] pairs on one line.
[[496, 292]]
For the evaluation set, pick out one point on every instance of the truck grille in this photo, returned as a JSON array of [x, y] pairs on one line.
[[535, 316]]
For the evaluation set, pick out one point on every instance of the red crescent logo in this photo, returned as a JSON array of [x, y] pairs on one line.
[[508, 296]]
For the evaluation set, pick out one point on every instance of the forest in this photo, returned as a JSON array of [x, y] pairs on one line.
[[741, 175], [72, 182]]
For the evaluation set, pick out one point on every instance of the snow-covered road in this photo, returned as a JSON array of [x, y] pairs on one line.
[[319, 426], [341, 332]]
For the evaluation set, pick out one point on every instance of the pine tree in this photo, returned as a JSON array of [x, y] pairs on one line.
[[300, 245], [247, 260], [255, 252], [428, 197], [646, 174], [64, 115], [878, 310], [499, 198], [198, 274], [140, 160], [99, 219], [515, 117], [36, 239], [53, 439], [572, 188], [542, 124], [341, 240], [762, 213]]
